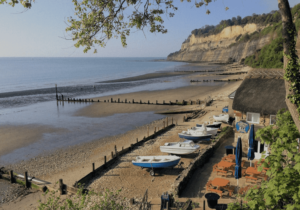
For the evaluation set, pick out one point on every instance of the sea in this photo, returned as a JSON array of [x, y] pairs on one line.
[[27, 97]]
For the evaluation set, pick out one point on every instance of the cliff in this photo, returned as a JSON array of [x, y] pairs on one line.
[[224, 46]]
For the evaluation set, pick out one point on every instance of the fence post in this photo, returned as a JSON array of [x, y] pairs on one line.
[[154, 129], [137, 140], [140, 101], [118, 100], [133, 101], [116, 151], [12, 179], [93, 166], [26, 180], [125, 100], [148, 131], [148, 102], [111, 99], [105, 160], [112, 155], [61, 186]]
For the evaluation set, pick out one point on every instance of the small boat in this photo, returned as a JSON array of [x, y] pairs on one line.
[[179, 148], [195, 135], [212, 131], [214, 125], [221, 117], [164, 161]]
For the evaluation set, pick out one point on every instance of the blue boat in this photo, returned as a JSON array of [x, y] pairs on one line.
[[155, 162], [194, 136]]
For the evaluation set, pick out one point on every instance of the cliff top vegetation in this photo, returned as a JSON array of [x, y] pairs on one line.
[[270, 18]]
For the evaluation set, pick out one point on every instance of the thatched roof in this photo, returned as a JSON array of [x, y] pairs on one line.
[[262, 91]]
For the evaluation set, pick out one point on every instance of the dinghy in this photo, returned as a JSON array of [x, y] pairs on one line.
[[195, 135], [212, 131], [214, 125], [153, 162], [221, 117], [179, 148]]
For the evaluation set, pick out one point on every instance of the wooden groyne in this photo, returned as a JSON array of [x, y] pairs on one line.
[[233, 73], [217, 80], [119, 101]]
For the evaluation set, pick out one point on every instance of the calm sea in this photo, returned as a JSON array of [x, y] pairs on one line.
[[35, 73]]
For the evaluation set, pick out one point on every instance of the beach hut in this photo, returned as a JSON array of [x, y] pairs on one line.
[[260, 96]]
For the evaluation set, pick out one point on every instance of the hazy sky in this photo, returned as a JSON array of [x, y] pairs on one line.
[[38, 31]]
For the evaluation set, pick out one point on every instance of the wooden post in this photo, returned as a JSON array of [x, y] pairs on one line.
[[164, 125], [156, 102], [203, 204], [183, 118], [118, 100], [111, 99], [56, 91], [125, 100], [116, 151], [93, 166], [104, 160], [140, 101], [133, 101], [26, 180], [137, 140], [167, 121], [112, 155], [164, 102], [61, 186], [148, 131], [148, 102], [172, 120], [154, 129], [12, 179]]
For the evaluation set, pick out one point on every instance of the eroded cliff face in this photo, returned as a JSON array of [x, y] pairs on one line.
[[219, 48]]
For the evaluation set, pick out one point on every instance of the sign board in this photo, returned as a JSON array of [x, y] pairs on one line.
[[242, 127]]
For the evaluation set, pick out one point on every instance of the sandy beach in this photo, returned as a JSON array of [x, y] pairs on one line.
[[75, 162]]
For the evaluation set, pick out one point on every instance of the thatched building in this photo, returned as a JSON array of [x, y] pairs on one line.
[[257, 100]]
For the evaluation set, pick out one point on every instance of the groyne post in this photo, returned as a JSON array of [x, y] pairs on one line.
[[26, 180], [56, 91], [116, 151], [93, 169], [12, 179], [105, 160], [61, 186]]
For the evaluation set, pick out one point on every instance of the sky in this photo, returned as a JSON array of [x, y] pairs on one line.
[[40, 31]]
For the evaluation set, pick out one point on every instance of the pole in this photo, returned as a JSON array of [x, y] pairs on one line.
[[56, 91]]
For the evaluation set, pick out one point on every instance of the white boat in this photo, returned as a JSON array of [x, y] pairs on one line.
[[179, 148], [212, 131], [214, 125], [195, 135], [221, 117]]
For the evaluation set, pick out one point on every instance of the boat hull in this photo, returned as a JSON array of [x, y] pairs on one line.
[[195, 138], [211, 126], [177, 151], [157, 165], [212, 131]]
